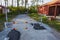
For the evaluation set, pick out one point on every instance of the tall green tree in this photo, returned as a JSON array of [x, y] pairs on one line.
[[33, 4]]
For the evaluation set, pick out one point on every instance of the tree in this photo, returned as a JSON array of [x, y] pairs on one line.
[[33, 2], [18, 3], [6, 2], [22, 2], [12, 3], [36, 1], [26, 1]]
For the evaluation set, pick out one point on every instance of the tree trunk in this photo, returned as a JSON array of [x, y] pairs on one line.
[[12, 3], [17, 3], [5, 3], [26, 3], [22, 2]]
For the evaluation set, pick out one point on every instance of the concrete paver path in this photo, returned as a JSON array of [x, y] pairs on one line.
[[30, 33], [27, 31]]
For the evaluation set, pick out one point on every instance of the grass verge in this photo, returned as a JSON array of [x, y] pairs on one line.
[[54, 23], [2, 19]]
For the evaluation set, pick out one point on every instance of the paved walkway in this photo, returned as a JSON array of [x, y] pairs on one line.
[[27, 31], [30, 33]]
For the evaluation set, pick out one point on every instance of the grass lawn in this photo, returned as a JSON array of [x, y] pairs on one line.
[[54, 23]]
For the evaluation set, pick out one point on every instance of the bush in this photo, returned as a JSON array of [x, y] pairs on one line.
[[35, 16], [44, 19], [2, 20], [18, 10], [21, 9], [32, 9], [2, 15]]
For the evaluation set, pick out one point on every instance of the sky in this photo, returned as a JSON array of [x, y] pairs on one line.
[[15, 3]]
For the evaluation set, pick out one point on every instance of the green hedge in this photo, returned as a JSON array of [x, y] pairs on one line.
[[22, 9], [17, 9]]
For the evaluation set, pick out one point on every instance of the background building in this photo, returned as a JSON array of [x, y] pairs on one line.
[[3, 9], [51, 8]]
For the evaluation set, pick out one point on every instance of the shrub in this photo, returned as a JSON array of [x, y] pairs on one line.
[[44, 18], [18, 10], [32, 9], [2, 15]]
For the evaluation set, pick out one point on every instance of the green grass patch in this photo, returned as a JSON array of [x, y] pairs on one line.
[[53, 23], [34, 16]]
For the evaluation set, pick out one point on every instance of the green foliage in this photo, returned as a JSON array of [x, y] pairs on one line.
[[32, 9], [55, 24], [52, 23], [22, 9], [44, 19], [34, 16], [2, 15], [2, 20], [19, 10], [15, 11]]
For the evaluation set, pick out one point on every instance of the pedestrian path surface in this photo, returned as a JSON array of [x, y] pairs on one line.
[[23, 25], [30, 33]]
